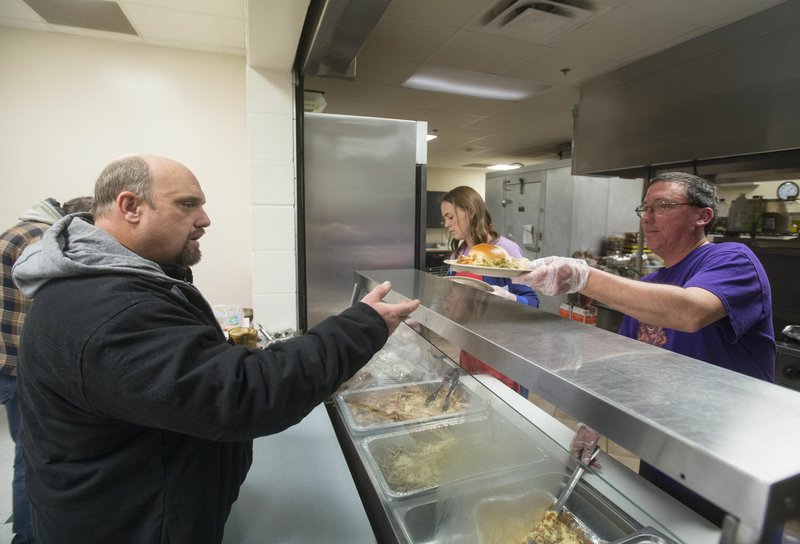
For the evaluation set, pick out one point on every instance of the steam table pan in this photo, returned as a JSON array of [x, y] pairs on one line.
[[389, 407], [427, 457]]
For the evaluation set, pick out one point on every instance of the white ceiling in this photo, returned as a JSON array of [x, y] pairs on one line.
[[447, 33]]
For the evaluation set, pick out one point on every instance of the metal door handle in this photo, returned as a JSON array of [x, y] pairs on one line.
[[534, 246]]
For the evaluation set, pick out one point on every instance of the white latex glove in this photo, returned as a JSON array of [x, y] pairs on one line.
[[555, 275], [502, 292], [584, 443]]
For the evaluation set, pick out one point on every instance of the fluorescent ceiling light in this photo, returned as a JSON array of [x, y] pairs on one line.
[[504, 166], [432, 137], [478, 84]]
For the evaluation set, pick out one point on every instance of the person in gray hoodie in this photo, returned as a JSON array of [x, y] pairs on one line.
[[13, 308], [138, 415]]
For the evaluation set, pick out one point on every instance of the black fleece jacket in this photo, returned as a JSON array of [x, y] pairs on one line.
[[138, 416]]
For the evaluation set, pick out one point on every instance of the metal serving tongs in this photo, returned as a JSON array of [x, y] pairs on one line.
[[452, 377], [573, 481]]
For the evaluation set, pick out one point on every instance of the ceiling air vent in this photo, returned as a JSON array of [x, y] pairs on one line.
[[536, 21], [91, 14]]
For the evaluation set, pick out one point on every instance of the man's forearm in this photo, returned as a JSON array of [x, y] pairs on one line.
[[667, 306]]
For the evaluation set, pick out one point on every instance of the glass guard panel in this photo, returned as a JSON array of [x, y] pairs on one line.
[[453, 461]]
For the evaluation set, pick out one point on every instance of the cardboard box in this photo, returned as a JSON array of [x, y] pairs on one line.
[[586, 315]]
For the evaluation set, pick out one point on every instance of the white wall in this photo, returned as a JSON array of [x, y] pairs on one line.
[[69, 105], [444, 179], [272, 173]]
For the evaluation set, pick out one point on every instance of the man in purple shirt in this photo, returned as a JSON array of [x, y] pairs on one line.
[[710, 301]]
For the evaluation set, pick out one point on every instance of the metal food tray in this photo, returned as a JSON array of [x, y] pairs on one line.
[[471, 404], [648, 535], [451, 515], [407, 464], [389, 368], [510, 518]]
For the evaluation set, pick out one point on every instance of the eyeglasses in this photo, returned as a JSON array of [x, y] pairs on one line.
[[658, 207]]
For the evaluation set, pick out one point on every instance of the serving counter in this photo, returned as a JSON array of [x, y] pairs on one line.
[[299, 490], [724, 435]]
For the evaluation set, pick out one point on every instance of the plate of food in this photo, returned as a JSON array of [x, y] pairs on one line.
[[489, 260]]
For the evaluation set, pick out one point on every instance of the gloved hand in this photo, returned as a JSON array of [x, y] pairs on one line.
[[583, 444], [502, 292], [555, 275]]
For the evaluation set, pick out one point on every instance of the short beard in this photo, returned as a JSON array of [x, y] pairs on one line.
[[189, 256]]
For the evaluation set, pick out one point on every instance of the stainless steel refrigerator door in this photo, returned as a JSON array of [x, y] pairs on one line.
[[360, 187], [516, 205]]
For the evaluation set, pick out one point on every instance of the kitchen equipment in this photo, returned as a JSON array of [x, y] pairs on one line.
[[792, 331], [414, 461], [363, 205], [787, 364], [453, 384], [385, 408], [648, 535], [451, 377], [573, 481], [775, 217], [641, 407]]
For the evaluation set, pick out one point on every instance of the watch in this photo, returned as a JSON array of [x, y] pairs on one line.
[[788, 190]]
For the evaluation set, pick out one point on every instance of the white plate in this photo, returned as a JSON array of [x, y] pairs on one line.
[[485, 270], [472, 282]]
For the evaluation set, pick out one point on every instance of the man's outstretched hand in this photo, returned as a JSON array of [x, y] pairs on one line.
[[392, 314]]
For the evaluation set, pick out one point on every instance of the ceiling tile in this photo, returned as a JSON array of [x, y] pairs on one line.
[[18, 10], [383, 71], [230, 8], [481, 53], [612, 34], [197, 6], [174, 26], [546, 65], [554, 100], [405, 40], [708, 13], [25, 23], [449, 13]]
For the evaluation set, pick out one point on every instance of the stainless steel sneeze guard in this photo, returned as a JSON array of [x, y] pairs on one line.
[[730, 438]]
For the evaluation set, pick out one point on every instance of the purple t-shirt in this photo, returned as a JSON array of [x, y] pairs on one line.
[[742, 341]]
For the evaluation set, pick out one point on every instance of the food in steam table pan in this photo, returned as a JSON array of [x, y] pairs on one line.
[[409, 467], [407, 403], [492, 256], [555, 529]]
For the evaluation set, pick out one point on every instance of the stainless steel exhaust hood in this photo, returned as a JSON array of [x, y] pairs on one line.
[[724, 104], [339, 31]]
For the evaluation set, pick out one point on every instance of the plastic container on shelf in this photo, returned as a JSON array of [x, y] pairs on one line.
[[723, 208], [739, 214]]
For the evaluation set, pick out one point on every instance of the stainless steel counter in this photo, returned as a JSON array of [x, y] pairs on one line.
[[299, 490], [724, 435]]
